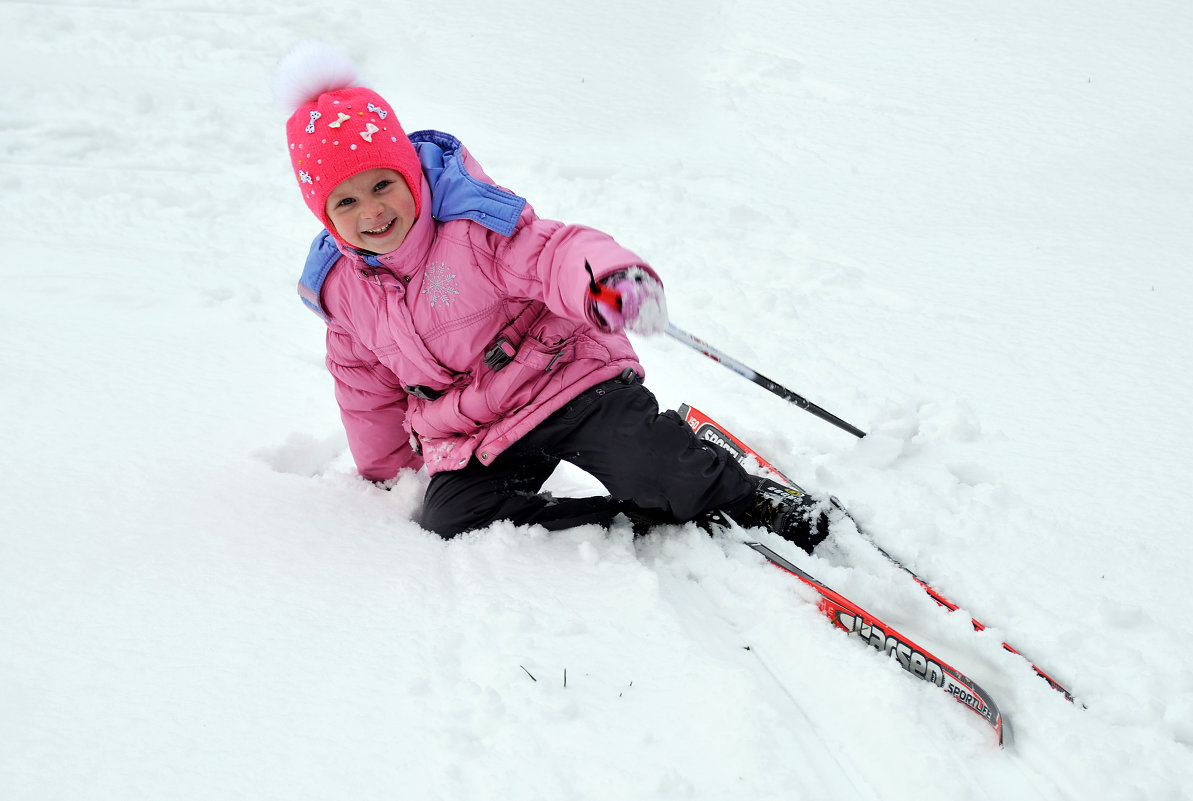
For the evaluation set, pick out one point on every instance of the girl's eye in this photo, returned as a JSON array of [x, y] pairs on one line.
[[381, 185], [346, 202]]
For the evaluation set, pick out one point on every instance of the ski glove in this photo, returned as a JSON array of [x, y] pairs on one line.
[[629, 299]]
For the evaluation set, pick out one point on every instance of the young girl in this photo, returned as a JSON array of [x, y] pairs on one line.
[[467, 335]]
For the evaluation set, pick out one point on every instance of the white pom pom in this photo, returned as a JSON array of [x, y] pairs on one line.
[[311, 69]]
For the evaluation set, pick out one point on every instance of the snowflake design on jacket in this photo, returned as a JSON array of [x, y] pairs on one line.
[[439, 284]]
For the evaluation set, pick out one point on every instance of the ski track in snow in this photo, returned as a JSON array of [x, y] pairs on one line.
[[963, 229]]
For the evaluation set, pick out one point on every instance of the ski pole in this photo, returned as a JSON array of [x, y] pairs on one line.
[[733, 364]]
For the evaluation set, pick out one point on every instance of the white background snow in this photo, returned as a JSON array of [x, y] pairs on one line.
[[964, 227]]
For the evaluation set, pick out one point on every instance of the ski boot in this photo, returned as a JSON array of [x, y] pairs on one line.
[[798, 518]]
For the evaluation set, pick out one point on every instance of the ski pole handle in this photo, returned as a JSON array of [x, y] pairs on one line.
[[600, 294], [743, 370]]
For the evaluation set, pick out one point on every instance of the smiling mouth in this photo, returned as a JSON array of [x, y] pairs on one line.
[[382, 230]]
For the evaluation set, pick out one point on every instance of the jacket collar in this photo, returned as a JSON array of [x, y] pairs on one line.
[[448, 190]]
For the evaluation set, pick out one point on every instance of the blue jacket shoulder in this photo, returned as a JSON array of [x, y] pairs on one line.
[[320, 259]]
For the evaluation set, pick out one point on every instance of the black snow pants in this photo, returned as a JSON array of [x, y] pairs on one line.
[[653, 466]]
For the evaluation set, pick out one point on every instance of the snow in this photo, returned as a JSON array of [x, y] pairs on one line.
[[962, 227]]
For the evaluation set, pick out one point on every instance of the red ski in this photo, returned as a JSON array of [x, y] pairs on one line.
[[852, 619], [707, 428]]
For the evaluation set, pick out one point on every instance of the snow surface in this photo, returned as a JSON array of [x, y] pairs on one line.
[[963, 227]]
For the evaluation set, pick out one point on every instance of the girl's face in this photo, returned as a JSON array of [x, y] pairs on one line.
[[373, 210]]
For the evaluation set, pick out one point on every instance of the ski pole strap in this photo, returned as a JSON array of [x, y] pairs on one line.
[[708, 350]]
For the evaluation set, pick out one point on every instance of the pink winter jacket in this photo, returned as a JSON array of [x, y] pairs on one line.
[[424, 317]]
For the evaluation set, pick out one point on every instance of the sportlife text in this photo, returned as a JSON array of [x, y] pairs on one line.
[[709, 433], [911, 660]]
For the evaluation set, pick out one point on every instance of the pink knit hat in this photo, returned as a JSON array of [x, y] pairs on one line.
[[337, 128]]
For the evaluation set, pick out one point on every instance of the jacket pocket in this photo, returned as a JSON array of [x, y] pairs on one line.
[[495, 394]]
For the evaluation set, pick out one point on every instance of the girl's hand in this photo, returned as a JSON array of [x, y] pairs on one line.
[[631, 299]]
